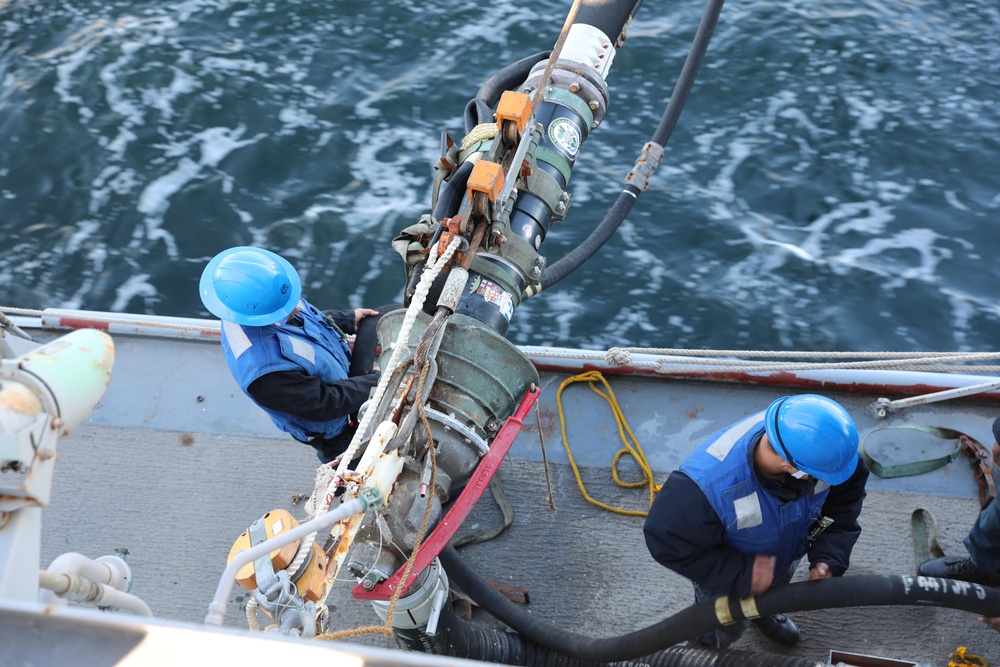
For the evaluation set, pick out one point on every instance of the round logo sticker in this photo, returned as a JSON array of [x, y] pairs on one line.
[[566, 135]]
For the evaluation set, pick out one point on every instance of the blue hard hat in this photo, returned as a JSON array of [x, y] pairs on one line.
[[250, 286], [815, 434]]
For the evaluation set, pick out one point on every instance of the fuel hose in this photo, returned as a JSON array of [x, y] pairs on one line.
[[698, 619]]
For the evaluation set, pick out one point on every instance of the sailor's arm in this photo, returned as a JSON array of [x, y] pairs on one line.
[[684, 533], [834, 545], [348, 321], [303, 395]]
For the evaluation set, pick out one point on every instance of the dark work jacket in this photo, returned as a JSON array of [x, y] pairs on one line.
[[757, 521], [684, 532]]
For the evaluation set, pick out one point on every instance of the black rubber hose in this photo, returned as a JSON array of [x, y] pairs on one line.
[[689, 73], [452, 192], [701, 618], [608, 17], [480, 109], [576, 257], [462, 639]]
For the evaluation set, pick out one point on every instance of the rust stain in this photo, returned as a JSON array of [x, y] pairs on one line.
[[187, 439], [330, 548], [547, 417], [20, 399], [693, 413]]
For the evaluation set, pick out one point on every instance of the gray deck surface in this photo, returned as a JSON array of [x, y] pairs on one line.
[[176, 463]]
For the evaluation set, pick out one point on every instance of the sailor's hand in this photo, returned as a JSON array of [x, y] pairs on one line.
[[362, 313], [820, 571], [763, 573], [993, 622]]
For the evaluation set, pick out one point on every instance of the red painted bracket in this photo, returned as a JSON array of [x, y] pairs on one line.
[[446, 529]]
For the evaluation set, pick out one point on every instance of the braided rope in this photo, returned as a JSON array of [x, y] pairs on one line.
[[689, 361], [623, 356], [480, 132], [323, 490], [629, 441], [793, 354], [386, 629], [325, 484], [325, 476]]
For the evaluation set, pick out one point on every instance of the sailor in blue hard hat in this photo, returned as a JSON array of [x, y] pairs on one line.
[[756, 497], [289, 357]]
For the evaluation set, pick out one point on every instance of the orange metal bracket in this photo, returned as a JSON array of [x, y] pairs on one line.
[[486, 177], [516, 107]]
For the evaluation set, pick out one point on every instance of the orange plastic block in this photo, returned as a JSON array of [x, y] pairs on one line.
[[516, 107], [486, 177]]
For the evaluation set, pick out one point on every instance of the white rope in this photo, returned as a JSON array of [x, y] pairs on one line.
[[480, 132], [790, 354], [322, 493], [251, 610], [692, 370], [688, 361], [623, 356]]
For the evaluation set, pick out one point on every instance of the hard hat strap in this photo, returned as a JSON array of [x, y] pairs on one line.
[[777, 433]]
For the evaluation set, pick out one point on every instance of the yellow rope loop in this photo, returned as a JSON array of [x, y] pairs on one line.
[[631, 443], [480, 132], [961, 658]]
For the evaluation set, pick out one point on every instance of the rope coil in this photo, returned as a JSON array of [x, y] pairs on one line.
[[630, 442]]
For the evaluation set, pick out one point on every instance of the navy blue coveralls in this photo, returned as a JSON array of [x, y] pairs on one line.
[[714, 515]]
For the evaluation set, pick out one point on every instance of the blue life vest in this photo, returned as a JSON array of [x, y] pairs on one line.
[[756, 522], [316, 348]]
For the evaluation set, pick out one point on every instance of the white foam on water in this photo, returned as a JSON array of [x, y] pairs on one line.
[[85, 230], [216, 143], [387, 161], [134, 286], [872, 256], [148, 90], [154, 202]]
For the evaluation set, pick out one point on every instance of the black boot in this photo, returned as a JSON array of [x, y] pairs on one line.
[[956, 567], [778, 628]]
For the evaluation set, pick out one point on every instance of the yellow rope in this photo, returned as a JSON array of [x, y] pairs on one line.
[[628, 438], [961, 658]]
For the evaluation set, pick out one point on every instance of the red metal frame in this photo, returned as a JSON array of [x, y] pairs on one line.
[[446, 529]]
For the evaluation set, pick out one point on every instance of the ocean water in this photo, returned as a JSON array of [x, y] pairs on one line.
[[833, 183]]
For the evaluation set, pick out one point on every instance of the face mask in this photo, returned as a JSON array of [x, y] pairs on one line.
[[799, 474]]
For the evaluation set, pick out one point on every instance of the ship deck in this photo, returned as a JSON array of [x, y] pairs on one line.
[[175, 463]]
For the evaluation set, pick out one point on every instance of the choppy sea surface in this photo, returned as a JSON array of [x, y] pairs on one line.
[[833, 183]]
